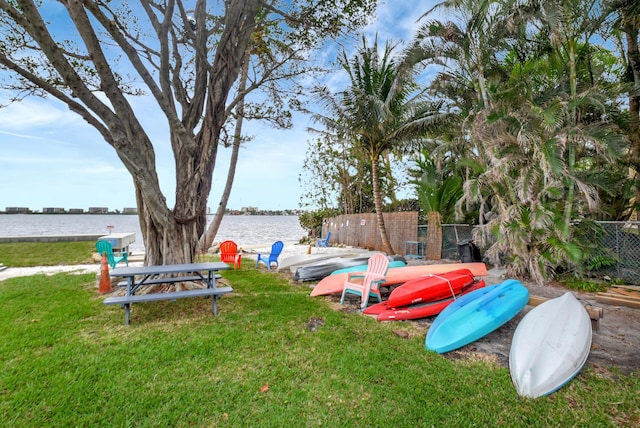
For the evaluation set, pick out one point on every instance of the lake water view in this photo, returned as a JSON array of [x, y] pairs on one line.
[[245, 230]]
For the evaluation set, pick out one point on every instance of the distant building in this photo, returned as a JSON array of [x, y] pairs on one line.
[[98, 210], [76, 211], [53, 210], [129, 211], [247, 210], [17, 210]]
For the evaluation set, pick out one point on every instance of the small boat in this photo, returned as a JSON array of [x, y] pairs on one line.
[[348, 260], [428, 288], [303, 259], [323, 254], [475, 315], [550, 346], [317, 271], [420, 310], [334, 283]]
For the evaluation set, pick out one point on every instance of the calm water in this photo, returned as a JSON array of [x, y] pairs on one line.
[[244, 230]]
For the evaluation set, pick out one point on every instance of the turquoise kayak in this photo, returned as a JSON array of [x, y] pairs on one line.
[[362, 268], [475, 315]]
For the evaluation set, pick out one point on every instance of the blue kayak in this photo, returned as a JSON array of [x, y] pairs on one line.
[[475, 315]]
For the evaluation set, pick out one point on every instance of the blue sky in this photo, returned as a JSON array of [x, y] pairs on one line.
[[49, 157]]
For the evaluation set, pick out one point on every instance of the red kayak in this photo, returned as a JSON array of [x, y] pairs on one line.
[[429, 288], [398, 275], [421, 310]]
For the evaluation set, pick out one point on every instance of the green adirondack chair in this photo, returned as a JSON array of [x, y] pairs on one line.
[[112, 258]]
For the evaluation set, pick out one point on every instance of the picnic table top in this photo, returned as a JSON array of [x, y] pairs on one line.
[[163, 269]]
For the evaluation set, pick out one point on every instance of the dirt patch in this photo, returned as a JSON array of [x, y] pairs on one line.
[[615, 345]]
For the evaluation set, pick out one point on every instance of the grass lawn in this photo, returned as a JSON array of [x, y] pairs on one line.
[[29, 254], [68, 360]]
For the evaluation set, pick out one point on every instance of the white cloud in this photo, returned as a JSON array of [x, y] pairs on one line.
[[30, 113]]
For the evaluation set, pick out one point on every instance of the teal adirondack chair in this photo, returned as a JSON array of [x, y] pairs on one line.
[[112, 258], [272, 257]]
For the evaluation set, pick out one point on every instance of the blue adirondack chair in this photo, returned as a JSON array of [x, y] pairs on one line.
[[271, 257], [112, 258], [323, 242]]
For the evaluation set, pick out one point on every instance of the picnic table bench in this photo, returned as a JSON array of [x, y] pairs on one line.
[[137, 277]]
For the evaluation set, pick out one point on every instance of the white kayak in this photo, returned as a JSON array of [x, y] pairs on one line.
[[321, 255], [303, 259], [550, 346]]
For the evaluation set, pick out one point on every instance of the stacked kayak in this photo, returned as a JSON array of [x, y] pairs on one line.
[[303, 259], [418, 310], [337, 265], [397, 262], [322, 269], [307, 259], [427, 288], [424, 296], [333, 284]]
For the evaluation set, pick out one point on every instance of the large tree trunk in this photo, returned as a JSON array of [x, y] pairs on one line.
[[173, 236], [433, 250], [386, 244]]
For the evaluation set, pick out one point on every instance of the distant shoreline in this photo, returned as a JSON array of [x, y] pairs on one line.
[[230, 213], [65, 213]]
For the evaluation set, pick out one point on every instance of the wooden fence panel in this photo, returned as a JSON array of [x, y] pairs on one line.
[[361, 230]]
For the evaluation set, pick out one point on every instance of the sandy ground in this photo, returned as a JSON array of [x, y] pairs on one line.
[[12, 272], [616, 336], [7, 272], [615, 346]]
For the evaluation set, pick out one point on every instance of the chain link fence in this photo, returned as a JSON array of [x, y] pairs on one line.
[[614, 246], [452, 234], [614, 251]]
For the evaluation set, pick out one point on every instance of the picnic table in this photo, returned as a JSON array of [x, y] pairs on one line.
[[136, 277]]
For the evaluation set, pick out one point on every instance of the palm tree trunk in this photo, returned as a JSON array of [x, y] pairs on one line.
[[568, 212], [206, 240], [434, 236], [377, 200]]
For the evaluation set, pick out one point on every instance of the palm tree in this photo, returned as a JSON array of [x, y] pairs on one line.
[[438, 192], [534, 114], [382, 111]]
